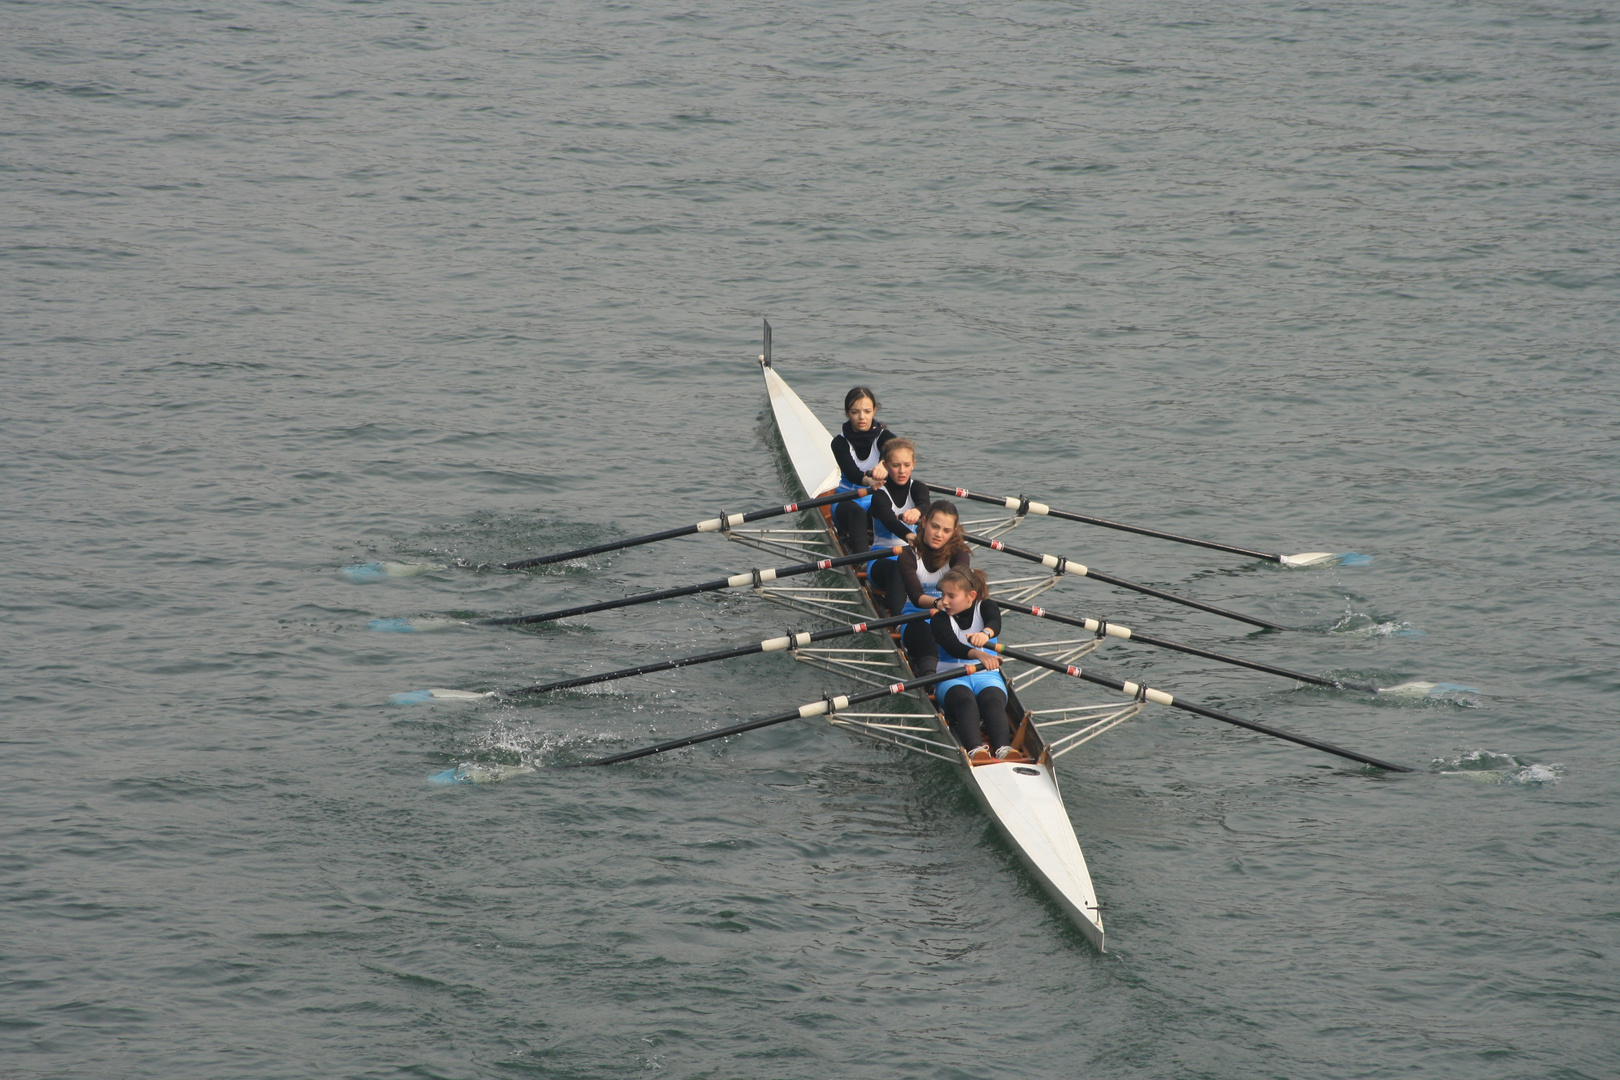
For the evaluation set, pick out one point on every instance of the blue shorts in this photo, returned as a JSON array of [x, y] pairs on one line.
[[864, 502], [979, 680]]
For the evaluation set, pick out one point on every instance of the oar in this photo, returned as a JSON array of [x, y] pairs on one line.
[[790, 640], [1104, 628], [1069, 566], [824, 707], [1029, 506], [719, 524], [1159, 697], [735, 581]]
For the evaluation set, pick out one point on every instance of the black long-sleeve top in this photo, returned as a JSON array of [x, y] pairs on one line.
[[862, 443], [908, 562], [947, 640], [887, 497]]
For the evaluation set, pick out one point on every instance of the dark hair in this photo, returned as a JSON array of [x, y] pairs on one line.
[[971, 580], [856, 394], [934, 558]]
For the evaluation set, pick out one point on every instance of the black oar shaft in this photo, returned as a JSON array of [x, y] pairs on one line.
[[725, 521], [1161, 698], [803, 712], [751, 577], [776, 644], [1102, 627], [1028, 506], [1067, 566]]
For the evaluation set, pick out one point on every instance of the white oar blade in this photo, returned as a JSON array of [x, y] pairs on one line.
[[472, 773], [1326, 558], [364, 573], [422, 625], [1427, 689], [422, 697]]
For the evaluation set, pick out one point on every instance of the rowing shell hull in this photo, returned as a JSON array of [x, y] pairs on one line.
[[1023, 800]]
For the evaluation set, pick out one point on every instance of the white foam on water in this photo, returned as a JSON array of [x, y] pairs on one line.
[[1356, 624], [1487, 767]]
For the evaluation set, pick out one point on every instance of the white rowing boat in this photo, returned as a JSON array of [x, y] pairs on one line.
[[1022, 799], [1021, 796]]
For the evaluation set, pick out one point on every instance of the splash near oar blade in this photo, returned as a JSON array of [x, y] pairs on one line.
[[723, 523]]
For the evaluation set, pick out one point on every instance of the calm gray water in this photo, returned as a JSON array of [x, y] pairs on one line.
[[293, 286]]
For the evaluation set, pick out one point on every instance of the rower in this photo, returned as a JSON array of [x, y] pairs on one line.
[[858, 449], [896, 508], [936, 547], [976, 704]]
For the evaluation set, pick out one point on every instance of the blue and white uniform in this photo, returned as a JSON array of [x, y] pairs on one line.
[[857, 454], [951, 635], [888, 503], [914, 570]]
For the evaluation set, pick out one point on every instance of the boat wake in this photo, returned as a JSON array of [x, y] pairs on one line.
[[1485, 767]]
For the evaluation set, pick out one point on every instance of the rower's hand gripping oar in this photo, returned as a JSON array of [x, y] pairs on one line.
[[722, 523], [1104, 628], [825, 707], [1159, 697], [1023, 506], [735, 581], [1069, 566], [790, 640]]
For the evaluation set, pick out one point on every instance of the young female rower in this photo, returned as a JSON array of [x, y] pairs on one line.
[[975, 705], [896, 509], [937, 547], [858, 449]]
